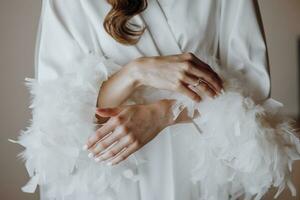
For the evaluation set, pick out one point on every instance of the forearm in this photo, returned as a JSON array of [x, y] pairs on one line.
[[117, 88]]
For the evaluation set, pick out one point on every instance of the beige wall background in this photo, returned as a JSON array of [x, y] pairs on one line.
[[18, 25], [282, 24]]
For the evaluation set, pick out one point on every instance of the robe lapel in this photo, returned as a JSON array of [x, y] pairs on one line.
[[159, 29]]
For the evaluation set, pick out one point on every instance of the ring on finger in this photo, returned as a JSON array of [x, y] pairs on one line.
[[199, 81]]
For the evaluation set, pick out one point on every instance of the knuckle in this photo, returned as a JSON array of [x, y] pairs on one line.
[[125, 128], [181, 76], [188, 55], [187, 65], [111, 153], [131, 138], [137, 144], [119, 119], [177, 86], [123, 133], [102, 145]]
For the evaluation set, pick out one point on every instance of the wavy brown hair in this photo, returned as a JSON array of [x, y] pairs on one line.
[[117, 21]]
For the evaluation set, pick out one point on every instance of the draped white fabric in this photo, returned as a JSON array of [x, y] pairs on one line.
[[75, 55]]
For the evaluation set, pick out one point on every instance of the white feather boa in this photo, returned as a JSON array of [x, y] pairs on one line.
[[243, 148], [63, 119]]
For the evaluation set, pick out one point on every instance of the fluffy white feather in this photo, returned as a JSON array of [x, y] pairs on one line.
[[63, 119], [243, 147]]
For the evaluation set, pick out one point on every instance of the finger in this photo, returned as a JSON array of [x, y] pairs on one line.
[[124, 154], [205, 88], [108, 112], [215, 75], [101, 120], [198, 68], [191, 57], [183, 89], [113, 151], [200, 86], [207, 76], [106, 142], [107, 128], [201, 63], [198, 62]]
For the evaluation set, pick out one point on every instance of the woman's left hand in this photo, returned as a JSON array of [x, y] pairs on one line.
[[128, 129]]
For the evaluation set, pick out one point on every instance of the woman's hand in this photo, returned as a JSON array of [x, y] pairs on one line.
[[177, 73], [128, 129]]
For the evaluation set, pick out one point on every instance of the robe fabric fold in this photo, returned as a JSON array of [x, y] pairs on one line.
[[239, 146]]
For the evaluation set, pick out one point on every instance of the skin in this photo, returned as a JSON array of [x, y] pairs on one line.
[[126, 129]]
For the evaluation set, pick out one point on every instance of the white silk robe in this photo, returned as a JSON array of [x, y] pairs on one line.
[[75, 55]]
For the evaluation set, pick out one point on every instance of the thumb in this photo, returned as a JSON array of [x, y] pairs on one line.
[[108, 112]]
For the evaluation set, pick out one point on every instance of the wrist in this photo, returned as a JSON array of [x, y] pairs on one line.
[[132, 72], [129, 71], [163, 108]]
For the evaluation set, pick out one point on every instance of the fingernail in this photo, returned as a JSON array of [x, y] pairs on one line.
[[98, 159], [90, 155], [109, 164], [85, 147]]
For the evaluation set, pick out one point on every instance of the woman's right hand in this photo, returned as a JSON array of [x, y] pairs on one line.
[[177, 73]]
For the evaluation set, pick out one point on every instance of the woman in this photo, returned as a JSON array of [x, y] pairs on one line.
[[129, 59]]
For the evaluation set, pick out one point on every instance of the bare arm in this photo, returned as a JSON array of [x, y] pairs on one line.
[[118, 88], [131, 127], [174, 73]]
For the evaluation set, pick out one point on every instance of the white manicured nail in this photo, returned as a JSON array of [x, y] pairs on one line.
[[109, 164], [90, 155], [85, 147], [97, 159]]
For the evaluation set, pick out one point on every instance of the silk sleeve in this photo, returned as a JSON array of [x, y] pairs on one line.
[[242, 47]]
